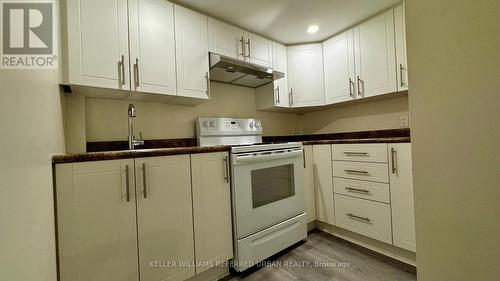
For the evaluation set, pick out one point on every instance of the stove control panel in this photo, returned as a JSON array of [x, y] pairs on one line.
[[231, 131]]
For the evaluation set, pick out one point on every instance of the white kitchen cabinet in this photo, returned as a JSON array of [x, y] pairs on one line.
[[278, 57], [375, 56], [310, 194], [401, 185], [191, 46], [98, 53], [164, 216], [258, 49], [400, 38], [212, 208], [340, 77], [152, 46], [305, 75], [272, 95], [323, 183], [96, 221], [225, 39]]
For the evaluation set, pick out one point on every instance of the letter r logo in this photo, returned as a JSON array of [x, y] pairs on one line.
[[27, 28]]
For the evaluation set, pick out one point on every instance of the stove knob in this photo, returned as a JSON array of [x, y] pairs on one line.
[[205, 123], [251, 125], [212, 124], [257, 124]]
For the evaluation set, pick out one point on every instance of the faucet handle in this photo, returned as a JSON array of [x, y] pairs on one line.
[[140, 136], [139, 141]]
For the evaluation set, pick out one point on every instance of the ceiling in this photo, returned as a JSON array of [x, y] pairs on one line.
[[286, 21]]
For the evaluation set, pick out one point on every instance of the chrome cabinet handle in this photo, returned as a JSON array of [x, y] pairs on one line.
[[401, 68], [290, 97], [358, 217], [144, 182], [226, 169], [136, 73], [357, 190], [351, 86], [360, 94], [121, 71], [248, 44], [207, 76], [304, 156], [356, 172], [127, 182], [277, 94], [393, 160], [353, 153], [242, 41]]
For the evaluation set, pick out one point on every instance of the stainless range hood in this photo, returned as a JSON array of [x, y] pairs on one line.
[[232, 71]]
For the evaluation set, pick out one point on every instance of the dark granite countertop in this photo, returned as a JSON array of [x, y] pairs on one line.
[[123, 154], [117, 149]]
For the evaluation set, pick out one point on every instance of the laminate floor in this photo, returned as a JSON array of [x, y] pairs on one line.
[[325, 257]]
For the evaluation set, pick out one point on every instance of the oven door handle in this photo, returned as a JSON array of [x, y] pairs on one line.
[[267, 157]]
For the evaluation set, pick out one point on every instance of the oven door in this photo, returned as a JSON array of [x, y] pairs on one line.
[[267, 189]]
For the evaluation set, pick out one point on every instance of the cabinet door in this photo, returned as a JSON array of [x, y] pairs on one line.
[[212, 208], [191, 45], [339, 68], [96, 221], [225, 39], [98, 44], [401, 184], [309, 184], [279, 57], [281, 93], [258, 49], [152, 46], [375, 56], [164, 216], [323, 182], [305, 75], [400, 37]]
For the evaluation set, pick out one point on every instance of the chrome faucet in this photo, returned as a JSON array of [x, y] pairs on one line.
[[132, 140]]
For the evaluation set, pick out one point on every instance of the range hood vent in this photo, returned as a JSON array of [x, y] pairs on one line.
[[241, 73]]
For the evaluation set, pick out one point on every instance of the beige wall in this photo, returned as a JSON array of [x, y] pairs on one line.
[[30, 132], [97, 119], [365, 116], [107, 119], [453, 52]]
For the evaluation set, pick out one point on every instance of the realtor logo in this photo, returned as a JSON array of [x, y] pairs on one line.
[[28, 35]]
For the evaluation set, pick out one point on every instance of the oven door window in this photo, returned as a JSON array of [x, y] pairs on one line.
[[272, 184]]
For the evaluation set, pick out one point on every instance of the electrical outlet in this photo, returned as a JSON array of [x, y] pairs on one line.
[[403, 121]]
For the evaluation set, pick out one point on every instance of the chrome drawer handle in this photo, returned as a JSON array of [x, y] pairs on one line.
[[358, 217], [356, 172], [357, 190], [355, 153]]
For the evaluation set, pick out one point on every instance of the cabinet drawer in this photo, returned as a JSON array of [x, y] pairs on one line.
[[372, 219], [366, 152], [362, 189], [361, 171]]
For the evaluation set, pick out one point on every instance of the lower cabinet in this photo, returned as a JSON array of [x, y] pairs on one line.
[[323, 183], [309, 183], [145, 219], [164, 217], [212, 209], [403, 213]]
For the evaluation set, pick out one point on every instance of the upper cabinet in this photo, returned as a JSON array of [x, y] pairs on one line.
[[278, 57], [98, 53], [338, 60], [230, 41], [152, 48], [305, 75], [400, 37], [258, 49], [225, 39], [191, 47], [375, 56]]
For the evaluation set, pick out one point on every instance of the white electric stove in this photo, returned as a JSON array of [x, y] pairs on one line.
[[267, 188]]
